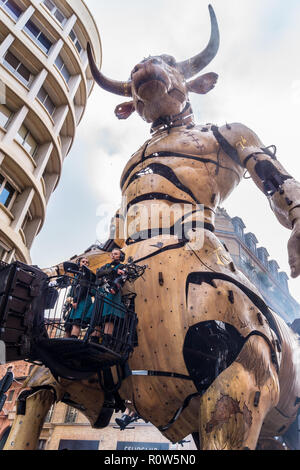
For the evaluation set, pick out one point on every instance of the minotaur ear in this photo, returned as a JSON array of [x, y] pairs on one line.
[[203, 84], [124, 110]]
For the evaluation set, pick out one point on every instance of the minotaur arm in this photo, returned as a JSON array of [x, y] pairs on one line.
[[281, 189]]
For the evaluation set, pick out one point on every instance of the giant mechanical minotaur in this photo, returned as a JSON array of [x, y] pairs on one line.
[[211, 356]]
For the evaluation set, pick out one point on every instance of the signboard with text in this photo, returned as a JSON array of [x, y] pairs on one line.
[[65, 444], [121, 445]]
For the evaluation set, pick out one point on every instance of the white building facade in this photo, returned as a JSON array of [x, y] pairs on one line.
[[44, 88]]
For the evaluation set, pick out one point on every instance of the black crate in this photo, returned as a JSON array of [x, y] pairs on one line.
[[22, 296]]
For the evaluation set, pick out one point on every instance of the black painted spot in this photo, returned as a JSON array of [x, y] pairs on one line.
[[209, 348]]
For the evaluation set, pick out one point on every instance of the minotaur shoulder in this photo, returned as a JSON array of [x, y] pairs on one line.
[[237, 140]]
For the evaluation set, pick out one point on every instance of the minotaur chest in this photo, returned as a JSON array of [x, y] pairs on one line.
[[183, 165]]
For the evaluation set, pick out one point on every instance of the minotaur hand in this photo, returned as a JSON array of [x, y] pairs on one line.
[[294, 250]]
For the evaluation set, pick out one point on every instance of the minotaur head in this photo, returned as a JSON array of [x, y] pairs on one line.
[[159, 85]]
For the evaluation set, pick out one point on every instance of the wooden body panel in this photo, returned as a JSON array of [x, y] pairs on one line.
[[163, 310], [230, 415], [285, 413], [165, 315], [185, 164]]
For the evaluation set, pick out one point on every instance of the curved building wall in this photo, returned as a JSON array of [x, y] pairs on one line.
[[44, 88]]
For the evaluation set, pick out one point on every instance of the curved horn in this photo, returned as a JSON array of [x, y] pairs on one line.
[[113, 86], [192, 66]]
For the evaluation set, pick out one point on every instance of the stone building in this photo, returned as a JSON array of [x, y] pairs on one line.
[[67, 428], [44, 88], [21, 370], [254, 262]]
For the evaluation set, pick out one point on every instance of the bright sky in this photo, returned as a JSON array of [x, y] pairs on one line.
[[259, 85]]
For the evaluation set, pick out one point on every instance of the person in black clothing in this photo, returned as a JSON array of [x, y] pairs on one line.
[[114, 308], [127, 418], [5, 384], [80, 300]]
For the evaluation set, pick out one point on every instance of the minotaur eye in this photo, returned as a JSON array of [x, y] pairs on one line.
[[172, 62], [168, 59], [134, 70], [156, 60]]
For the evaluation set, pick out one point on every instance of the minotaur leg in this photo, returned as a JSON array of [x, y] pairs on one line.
[[29, 420], [232, 410]]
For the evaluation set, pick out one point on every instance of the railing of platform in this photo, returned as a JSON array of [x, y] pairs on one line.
[[92, 311], [76, 322]]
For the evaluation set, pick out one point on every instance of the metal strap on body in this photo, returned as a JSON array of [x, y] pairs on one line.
[[158, 373], [226, 146], [264, 151], [179, 411], [167, 122], [154, 232], [252, 155], [107, 382]]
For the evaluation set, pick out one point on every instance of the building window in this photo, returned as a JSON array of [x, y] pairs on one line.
[[27, 219], [42, 41], [12, 8], [6, 192], [56, 12], [75, 40], [2, 252], [251, 241], [63, 68], [18, 69], [10, 395], [71, 415], [273, 267], [5, 116], [46, 101], [244, 257], [251, 245], [284, 280], [49, 414], [24, 137], [239, 231], [41, 444]]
